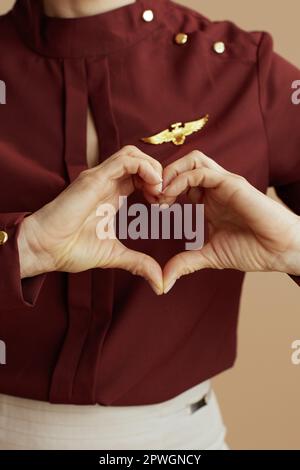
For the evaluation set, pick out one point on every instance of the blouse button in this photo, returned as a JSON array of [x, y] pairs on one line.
[[219, 47], [181, 38], [148, 15], [3, 237]]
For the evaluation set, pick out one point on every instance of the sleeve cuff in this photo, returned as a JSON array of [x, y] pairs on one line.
[[14, 292]]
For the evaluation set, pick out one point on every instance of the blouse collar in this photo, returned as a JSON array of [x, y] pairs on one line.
[[87, 36]]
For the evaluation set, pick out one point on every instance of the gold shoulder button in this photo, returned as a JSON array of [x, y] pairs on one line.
[[181, 38], [219, 47], [148, 15]]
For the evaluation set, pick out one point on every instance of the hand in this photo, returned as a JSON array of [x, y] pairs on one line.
[[248, 231], [62, 235]]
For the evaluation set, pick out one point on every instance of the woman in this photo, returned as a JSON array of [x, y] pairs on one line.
[[90, 86]]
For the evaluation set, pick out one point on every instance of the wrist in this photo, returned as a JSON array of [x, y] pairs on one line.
[[292, 256], [34, 260]]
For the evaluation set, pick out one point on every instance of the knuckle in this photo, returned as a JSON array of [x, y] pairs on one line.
[[197, 176], [169, 175], [196, 158], [239, 182], [83, 174], [157, 164], [130, 150], [239, 179], [127, 162], [88, 178], [169, 171], [197, 154]]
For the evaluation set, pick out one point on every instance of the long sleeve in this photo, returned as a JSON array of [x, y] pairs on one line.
[[14, 292], [282, 123]]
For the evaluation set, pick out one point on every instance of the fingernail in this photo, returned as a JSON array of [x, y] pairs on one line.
[[169, 286]]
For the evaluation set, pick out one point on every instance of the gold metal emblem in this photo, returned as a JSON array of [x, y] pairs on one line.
[[3, 237], [178, 133]]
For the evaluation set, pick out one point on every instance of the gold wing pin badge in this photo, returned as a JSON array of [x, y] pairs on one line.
[[178, 133]]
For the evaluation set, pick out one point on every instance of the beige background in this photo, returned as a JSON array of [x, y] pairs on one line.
[[260, 396]]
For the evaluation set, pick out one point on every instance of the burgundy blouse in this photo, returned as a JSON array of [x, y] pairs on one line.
[[103, 336]]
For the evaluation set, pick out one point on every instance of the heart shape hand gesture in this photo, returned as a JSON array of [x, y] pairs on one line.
[[248, 231]]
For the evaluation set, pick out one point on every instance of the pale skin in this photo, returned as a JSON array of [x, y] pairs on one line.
[[80, 8], [248, 230]]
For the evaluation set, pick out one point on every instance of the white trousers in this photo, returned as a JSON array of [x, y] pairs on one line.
[[172, 424]]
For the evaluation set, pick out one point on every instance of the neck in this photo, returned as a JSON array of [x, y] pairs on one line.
[[80, 8]]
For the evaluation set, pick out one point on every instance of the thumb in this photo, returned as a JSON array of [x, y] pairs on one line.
[[182, 264], [142, 265]]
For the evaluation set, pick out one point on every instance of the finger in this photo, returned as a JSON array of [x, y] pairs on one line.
[[203, 177], [128, 166], [135, 152], [154, 190], [191, 161], [262, 214], [93, 186], [142, 265], [155, 163], [182, 264], [259, 212]]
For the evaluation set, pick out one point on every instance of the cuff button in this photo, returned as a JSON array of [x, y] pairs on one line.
[[3, 237]]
